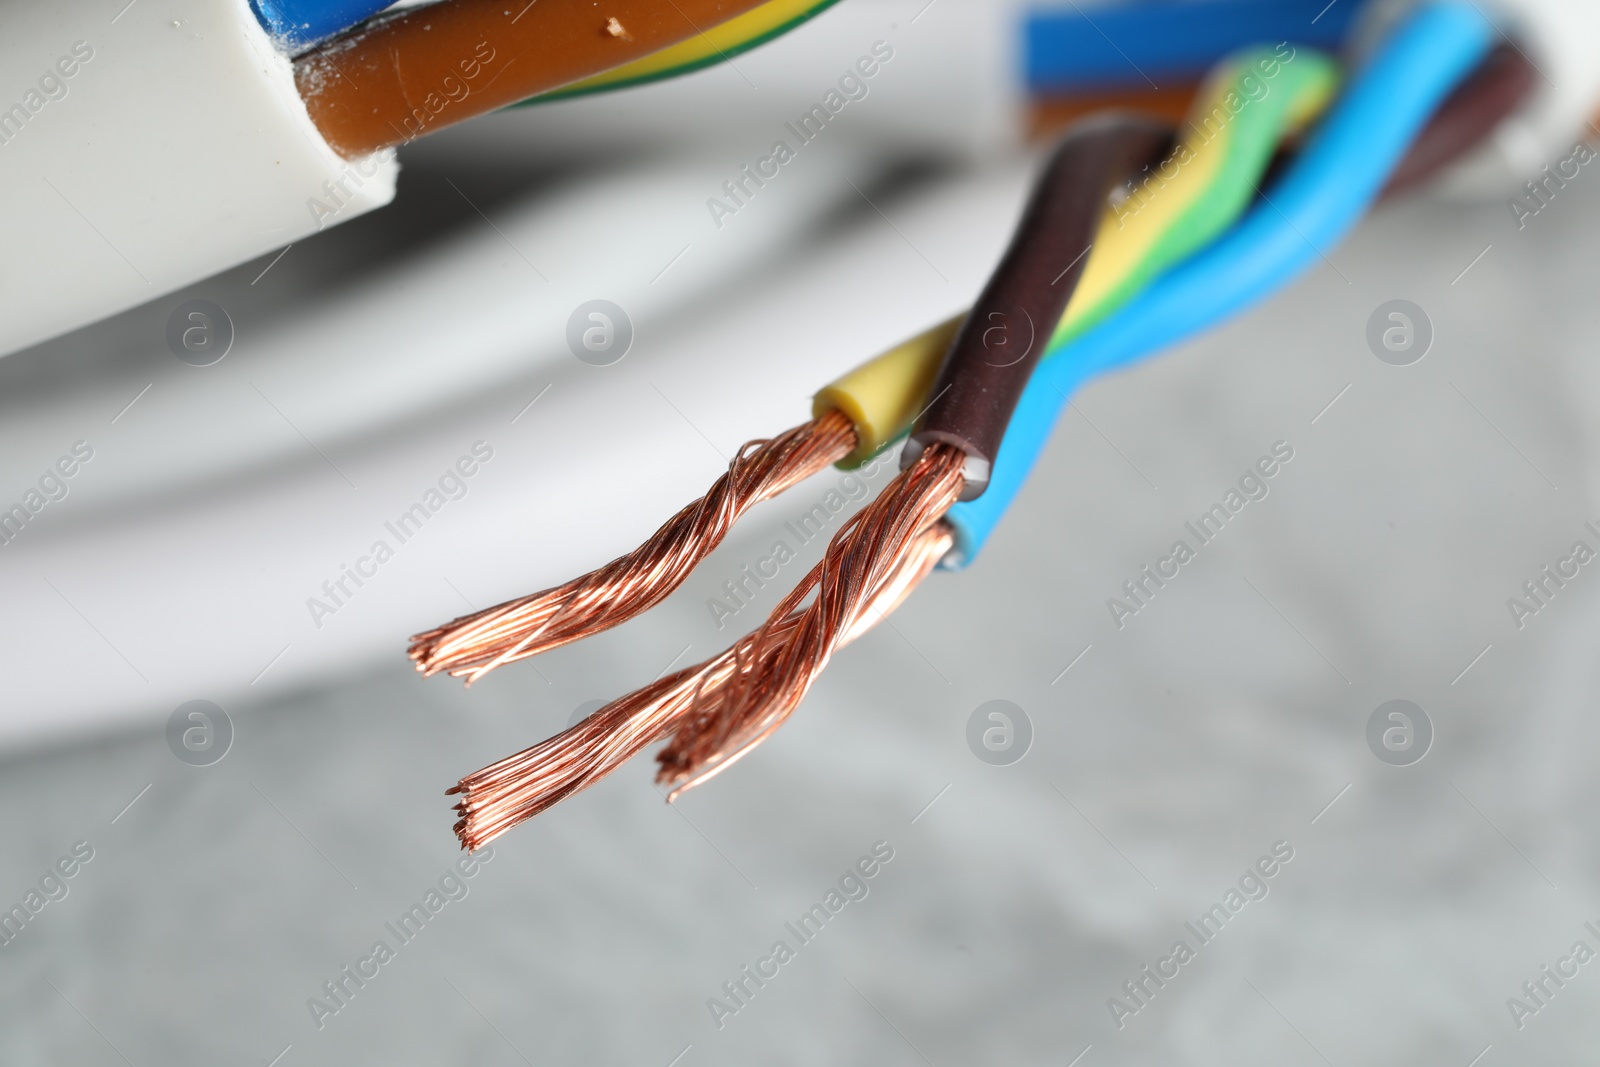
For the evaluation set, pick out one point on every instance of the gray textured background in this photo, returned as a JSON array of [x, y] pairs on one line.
[[1224, 718]]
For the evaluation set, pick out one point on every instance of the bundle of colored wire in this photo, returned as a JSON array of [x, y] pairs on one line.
[[767, 673], [1324, 193], [719, 710], [1207, 181], [422, 69], [974, 400]]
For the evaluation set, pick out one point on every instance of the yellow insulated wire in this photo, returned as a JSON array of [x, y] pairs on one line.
[[1131, 229], [885, 395], [1204, 187]]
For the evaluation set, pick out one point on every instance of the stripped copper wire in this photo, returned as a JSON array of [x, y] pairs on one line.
[[783, 658], [475, 644], [504, 794]]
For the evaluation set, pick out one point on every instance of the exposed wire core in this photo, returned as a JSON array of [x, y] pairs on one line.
[[475, 644], [498, 797], [778, 662]]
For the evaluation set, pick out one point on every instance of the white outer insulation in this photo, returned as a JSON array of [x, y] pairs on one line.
[[175, 148], [1562, 40]]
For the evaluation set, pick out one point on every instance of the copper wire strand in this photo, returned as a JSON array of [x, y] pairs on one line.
[[475, 644], [504, 794], [786, 656]]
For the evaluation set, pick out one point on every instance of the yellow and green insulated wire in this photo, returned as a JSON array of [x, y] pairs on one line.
[[716, 45], [1244, 110]]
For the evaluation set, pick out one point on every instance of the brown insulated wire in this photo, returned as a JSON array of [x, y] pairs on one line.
[[1491, 94], [393, 79], [993, 355]]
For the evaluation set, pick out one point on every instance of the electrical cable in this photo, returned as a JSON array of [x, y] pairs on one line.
[[949, 450], [1321, 197], [718, 711], [719, 44], [721, 709], [1221, 159], [392, 79]]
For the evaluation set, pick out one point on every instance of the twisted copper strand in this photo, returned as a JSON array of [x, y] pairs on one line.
[[786, 655], [475, 644], [504, 794]]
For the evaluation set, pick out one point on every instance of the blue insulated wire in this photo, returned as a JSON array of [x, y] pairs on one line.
[[297, 24]]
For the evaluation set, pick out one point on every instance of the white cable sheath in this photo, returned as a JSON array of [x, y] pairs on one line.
[[146, 145], [1561, 38]]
